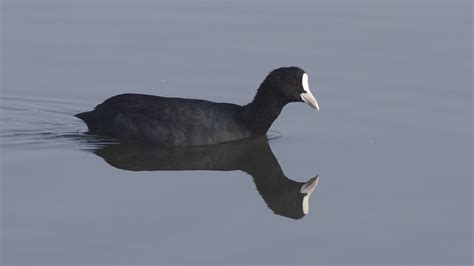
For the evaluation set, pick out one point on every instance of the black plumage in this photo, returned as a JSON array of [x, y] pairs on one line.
[[191, 122]]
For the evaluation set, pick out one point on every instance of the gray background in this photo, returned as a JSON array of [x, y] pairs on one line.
[[392, 142]]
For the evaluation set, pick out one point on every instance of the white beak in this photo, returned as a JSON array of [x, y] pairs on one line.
[[307, 96]]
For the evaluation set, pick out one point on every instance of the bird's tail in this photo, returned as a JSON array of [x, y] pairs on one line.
[[88, 118]]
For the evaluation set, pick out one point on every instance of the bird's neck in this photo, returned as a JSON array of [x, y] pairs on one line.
[[259, 114]]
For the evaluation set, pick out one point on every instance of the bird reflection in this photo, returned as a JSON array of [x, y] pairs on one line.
[[282, 195]]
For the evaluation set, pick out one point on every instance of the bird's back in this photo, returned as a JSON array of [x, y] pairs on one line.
[[166, 121]]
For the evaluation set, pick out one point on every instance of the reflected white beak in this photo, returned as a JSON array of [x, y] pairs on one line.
[[309, 98], [310, 185], [307, 189]]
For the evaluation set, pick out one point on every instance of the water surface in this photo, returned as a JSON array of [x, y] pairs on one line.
[[392, 144]]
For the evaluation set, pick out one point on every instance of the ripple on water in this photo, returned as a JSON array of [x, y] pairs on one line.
[[31, 123]]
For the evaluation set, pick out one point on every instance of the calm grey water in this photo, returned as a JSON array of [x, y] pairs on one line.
[[392, 144]]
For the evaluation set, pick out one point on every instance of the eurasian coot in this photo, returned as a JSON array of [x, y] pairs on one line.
[[191, 122]]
